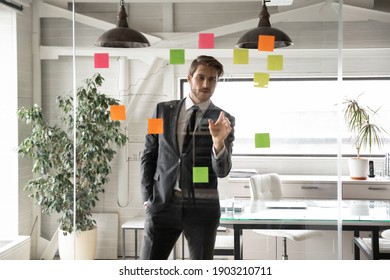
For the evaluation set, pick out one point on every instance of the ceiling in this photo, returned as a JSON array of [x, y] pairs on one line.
[[177, 23]]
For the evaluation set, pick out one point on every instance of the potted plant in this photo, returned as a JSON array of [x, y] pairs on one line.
[[54, 159], [365, 134]]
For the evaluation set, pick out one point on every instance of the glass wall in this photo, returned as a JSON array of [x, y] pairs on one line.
[[294, 126]]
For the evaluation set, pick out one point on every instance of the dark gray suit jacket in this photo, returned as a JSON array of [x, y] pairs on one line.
[[161, 162]]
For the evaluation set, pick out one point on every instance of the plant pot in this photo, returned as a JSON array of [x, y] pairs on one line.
[[77, 246], [358, 168]]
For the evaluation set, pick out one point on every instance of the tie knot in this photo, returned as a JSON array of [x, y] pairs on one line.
[[195, 108]]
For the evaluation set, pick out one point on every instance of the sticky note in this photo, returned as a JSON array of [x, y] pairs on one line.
[[262, 140], [206, 41], [101, 60], [261, 80], [155, 126], [240, 56], [200, 174], [117, 112], [275, 63], [177, 56], [266, 43]]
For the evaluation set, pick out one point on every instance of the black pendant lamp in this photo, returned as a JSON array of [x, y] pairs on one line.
[[122, 36], [250, 39]]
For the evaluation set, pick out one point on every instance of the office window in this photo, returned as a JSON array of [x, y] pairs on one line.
[[301, 115]]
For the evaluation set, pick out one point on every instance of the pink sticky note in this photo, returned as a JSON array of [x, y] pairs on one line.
[[101, 60], [206, 41]]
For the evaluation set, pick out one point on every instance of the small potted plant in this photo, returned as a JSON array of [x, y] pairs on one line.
[[365, 134], [54, 159]]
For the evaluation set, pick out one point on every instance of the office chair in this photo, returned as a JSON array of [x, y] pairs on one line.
[[269, 187]]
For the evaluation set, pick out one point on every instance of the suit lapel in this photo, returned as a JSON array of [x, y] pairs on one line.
[[210, 111], [175, 113]]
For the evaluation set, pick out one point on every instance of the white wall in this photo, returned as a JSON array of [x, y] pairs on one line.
[[25, 98], [8, 123]]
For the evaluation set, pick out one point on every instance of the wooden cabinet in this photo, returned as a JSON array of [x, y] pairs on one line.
[[239, 188], [309, 187], [294, 187], [367, 189]]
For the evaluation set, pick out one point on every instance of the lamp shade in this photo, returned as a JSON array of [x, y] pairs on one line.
[[122, 36], [251, 38]]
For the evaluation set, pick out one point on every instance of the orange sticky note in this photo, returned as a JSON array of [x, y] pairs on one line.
[[266, 43], [155, 126], [101, 60], [206, 41], [118, 112]]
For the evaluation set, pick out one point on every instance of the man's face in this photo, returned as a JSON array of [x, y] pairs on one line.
[[202, 83]]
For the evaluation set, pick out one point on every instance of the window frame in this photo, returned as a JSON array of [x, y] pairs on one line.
[[345, 141]]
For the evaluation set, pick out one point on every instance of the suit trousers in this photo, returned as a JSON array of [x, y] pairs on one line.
[[163, 229]]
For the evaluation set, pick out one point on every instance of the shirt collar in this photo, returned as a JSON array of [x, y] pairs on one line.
[[202, 106]]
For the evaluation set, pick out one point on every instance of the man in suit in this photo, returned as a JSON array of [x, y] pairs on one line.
[[175, 200]]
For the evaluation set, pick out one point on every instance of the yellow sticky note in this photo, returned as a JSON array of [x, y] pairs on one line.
[[262, 140], [155, 126], [240, 56], [261, 80], [200, 174], [275, 63], [117, 112], [266, 43]]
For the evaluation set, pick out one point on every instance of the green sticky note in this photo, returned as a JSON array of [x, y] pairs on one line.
[[275, 63], [262, 140], [261, 80], [177, 56], [200, 174], [240, 56]]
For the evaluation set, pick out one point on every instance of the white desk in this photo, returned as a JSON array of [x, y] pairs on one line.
[[134, 223], [137, 223], [319, 215]]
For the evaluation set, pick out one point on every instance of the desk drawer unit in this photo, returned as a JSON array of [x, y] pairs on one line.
[[239, 188], [310, 190], [366, 191]]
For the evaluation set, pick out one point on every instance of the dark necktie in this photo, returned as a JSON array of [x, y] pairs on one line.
[[190, 129]]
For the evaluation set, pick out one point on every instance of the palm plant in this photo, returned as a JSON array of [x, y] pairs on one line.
[[358, 119]]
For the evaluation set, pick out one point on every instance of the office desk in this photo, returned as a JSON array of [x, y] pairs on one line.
[[318, 215]]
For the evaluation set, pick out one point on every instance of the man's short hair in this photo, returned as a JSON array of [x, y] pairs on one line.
[[208, 61]]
